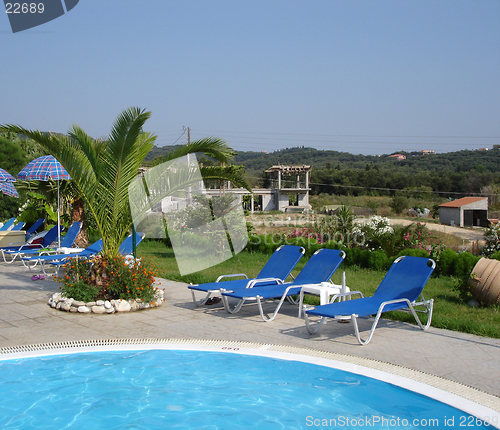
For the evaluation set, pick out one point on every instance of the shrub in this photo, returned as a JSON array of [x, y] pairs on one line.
[[377, 260], [414, 252], [352, 256], [80, 291], [399, 203], [492, 238], [495, 256], [446, 266], [464, 264], [364, 258], [107, 279]]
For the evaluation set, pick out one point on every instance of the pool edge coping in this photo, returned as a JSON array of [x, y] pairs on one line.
[[453, 393]]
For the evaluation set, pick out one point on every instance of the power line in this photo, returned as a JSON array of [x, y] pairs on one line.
[[389, 189]]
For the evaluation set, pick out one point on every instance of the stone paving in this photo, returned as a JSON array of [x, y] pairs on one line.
[[25, 318]]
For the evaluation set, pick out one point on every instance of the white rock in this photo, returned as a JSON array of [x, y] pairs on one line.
[[99, 302], [107, 304], [110, 310], [122, 306], [78, 303], [83, 309], [98, 309], [65, 306], [90, 304]]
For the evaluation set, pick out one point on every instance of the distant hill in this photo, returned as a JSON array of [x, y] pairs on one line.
[[459, 161]]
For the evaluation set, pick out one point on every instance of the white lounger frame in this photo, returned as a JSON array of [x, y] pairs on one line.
[[428, 305]]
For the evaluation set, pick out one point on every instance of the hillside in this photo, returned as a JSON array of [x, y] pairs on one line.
[[451, 174]]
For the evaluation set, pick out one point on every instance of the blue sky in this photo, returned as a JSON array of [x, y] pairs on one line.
[[367, 76]]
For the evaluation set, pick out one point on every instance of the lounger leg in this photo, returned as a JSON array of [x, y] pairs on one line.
[[12, 259], [27, 264], [202, 301], [354, 319], [264, 315], [236, 309], [318, 327], [429, 305]]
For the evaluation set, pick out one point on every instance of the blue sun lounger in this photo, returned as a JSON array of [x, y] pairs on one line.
[[58, 260], [7, 224], [18, 227], [399, 290], [13, 250], [36, 225], [30, 255], [277, 269], [320, 268]]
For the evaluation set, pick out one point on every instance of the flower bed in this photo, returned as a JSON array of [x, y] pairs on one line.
[[58, 301], [106, 286]]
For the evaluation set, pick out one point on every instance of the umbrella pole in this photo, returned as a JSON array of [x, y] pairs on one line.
[[58, 219]]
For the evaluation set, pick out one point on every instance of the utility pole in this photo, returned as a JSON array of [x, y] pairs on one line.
[[187, 129]]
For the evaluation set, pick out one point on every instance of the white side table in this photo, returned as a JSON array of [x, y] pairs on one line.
[[325, 290]]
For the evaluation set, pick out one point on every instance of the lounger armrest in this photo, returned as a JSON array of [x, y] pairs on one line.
[[31, 246], [255, 282], [349, 294], [231, 276], [391, 302]]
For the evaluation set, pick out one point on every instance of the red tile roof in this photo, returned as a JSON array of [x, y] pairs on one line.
[[462, 202]]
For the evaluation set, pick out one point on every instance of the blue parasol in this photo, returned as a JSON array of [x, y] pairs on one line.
[[44, 169], [8, 189], [6, 176]]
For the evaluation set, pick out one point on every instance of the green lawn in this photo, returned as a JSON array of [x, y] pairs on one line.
[[450, 312]]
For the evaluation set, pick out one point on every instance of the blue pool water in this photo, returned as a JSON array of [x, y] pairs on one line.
[[160, 389]]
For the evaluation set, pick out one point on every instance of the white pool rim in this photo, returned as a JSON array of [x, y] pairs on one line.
[[467, 399]]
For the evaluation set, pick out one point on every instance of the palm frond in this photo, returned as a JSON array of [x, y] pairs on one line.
[[210, 146]]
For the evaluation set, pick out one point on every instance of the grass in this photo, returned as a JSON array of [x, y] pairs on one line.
[[450, 311]]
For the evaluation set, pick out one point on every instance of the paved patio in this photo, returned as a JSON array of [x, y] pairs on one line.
[[25, 318]]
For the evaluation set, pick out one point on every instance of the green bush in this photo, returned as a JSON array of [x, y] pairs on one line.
[[464, 264], [352, 256], [414, 252], [378, 260], [364, 258], [446, 266], [79, 291], [495, 256]]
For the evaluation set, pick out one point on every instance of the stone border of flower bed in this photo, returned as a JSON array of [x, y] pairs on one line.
[[58, 301]]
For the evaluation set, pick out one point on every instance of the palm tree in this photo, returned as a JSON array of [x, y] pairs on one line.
[[102, 170]]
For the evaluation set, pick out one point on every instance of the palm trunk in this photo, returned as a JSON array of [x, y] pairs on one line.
[[78, 215]]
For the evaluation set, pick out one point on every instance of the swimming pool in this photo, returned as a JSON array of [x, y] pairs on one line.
[[147, 387]]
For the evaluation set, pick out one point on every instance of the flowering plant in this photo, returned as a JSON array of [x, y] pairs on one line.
[[492, 238], [416, 236], [108, 279], [307, 233]]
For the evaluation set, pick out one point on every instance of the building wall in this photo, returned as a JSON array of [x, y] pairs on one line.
[[450, 216], [303, 200], [283, 202], [481, 205], [268, 202]]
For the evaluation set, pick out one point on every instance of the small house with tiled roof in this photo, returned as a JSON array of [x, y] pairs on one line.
[[465, 212]]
